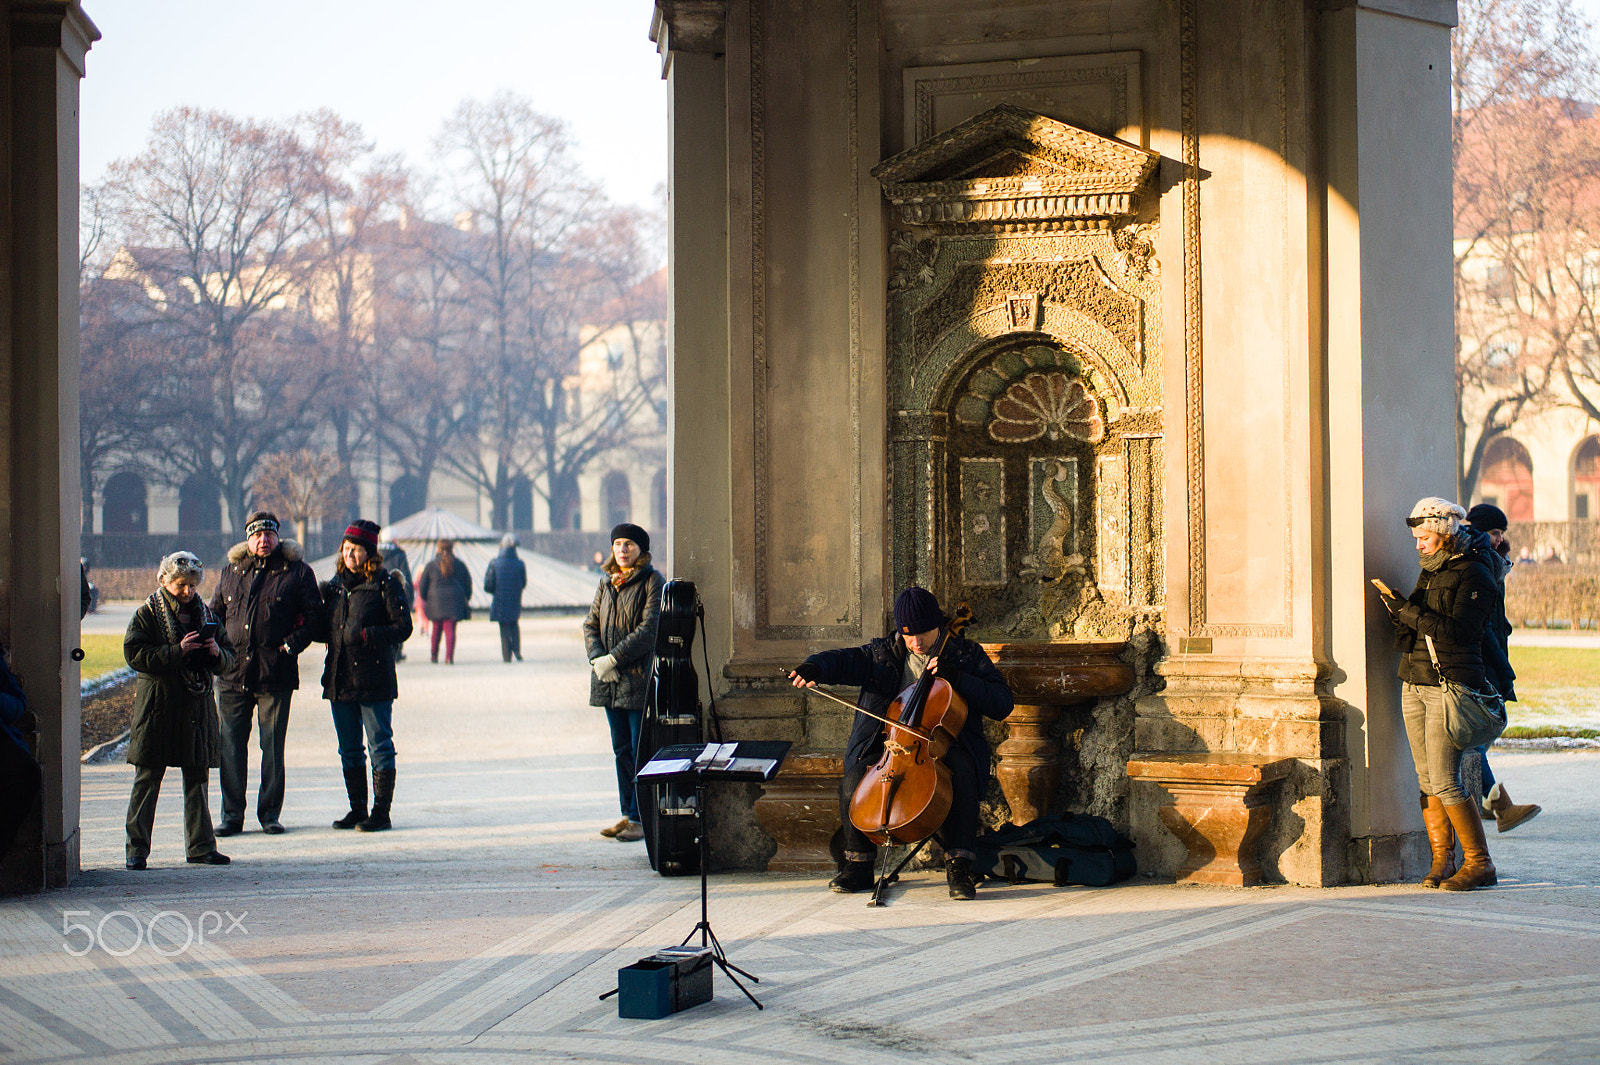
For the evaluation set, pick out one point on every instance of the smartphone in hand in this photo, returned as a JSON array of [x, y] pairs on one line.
[[1384, 588]]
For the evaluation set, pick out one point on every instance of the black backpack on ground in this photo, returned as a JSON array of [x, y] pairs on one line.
[[1070, 849]]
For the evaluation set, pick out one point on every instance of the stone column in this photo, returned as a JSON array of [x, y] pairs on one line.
[[1388, 390], [689, 38], [39, 514]]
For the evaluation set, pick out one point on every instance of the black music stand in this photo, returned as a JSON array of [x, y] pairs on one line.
[[749, 761]]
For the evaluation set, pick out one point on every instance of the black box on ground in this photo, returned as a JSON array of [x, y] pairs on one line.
[[670, 980]]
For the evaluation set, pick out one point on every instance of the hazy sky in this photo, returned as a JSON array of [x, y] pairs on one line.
[[397, 67]]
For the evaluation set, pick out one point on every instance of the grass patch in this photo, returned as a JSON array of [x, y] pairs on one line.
[[1556, 667], [1557, 688], [1547, 732], [102, 653]]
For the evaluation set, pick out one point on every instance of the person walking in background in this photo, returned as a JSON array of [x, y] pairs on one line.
[[396, 562], [1451, 604], [620, 636], [175, 644], [505, 578], [1489, 522], [443, 589], [267, 602], [367, 618]]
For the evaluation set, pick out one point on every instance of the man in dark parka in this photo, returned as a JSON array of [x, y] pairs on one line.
[[267, 601]]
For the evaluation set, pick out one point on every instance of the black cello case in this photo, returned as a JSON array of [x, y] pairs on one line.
[[672, 820]]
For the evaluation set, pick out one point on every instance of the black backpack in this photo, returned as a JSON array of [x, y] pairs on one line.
[[1070, 849]]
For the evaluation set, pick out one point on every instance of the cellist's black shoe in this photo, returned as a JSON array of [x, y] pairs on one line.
[[854, 877], [958, 873]]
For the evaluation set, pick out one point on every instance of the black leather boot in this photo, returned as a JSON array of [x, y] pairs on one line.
[[854, 877], [958, 874], [355, 785], [382, 796]]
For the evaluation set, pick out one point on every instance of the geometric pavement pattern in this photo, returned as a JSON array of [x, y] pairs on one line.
[[1142, 972]]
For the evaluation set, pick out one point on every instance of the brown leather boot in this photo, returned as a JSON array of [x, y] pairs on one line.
[[1507, 814], [1476, 868], [1441, 841]]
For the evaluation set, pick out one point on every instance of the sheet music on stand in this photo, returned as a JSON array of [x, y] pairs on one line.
[[753, 761], [748, 760]]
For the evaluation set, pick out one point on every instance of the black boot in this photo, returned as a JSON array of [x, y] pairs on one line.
[[355, 785], [958, 874], [854, 877], [382, 796]]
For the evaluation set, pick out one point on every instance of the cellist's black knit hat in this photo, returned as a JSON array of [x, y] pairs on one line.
[[916, 610]]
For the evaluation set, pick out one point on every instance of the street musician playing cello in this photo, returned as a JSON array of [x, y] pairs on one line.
[[885, 669]]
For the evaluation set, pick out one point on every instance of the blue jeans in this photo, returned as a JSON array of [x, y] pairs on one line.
[[349, 719], [624, 742]]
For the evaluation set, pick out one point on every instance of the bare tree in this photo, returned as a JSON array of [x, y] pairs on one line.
[[303, 484], [1526, 157], [214, 213], [519, 196], [355, 196]]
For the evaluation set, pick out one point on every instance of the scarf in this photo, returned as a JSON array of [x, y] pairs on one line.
[[621, 577], [1455, 545], [195, 682]]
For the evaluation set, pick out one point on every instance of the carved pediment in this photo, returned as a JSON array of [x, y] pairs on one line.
[[1009, 166]]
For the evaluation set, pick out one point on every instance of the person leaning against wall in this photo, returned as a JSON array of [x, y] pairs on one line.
[[1451, 604], [620, 635], [175, 645]]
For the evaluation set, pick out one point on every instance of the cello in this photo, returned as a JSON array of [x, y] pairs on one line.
[[905, 797]]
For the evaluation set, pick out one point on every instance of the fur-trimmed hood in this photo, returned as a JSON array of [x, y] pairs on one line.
[[290, 549]]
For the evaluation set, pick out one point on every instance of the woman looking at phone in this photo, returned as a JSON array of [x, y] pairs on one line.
[[174, 645], [1451, 604]]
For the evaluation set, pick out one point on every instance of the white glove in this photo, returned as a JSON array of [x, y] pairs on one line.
[[605, 667]]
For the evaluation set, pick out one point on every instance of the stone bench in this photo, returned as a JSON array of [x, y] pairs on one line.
[[1221, 805]]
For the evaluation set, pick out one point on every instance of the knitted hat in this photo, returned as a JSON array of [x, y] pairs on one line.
[[261, 521], [629, 531], [1486, 517], [365, 533], [185, 564], [1436, 515], [916, 610]]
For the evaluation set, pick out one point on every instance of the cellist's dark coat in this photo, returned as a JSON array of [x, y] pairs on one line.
[[878, 668]]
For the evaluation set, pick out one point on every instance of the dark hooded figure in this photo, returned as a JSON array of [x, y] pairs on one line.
[[505, 578]]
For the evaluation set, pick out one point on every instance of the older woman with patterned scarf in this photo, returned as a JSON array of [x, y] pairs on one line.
[[175, 646], [1451, 604]]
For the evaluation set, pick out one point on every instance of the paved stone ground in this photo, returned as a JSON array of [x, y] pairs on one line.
[[485, 925]]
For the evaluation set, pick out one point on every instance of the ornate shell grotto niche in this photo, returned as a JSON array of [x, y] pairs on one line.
[[1024, 376]]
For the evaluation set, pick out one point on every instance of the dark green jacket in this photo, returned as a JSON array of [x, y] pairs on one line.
[[173, 725]]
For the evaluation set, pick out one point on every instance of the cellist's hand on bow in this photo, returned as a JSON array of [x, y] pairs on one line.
[[805, 675]]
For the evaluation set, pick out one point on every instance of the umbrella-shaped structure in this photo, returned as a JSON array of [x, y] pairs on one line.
[[552, 584]]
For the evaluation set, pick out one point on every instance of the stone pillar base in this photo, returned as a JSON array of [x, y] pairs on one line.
[[799, 809], [1221, 805]]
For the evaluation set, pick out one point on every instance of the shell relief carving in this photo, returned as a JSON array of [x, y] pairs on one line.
[[1039, 392], [1046, 404]]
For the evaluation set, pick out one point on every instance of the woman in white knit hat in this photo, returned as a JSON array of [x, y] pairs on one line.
[[1452, 603]]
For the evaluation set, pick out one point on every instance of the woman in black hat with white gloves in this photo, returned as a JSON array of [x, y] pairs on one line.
[[620, 636], [1454, 598]]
